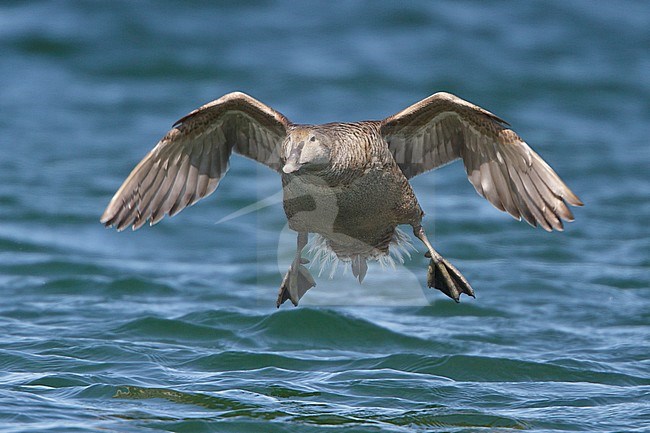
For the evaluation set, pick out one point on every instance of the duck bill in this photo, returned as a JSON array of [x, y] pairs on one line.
[[291, 167], [293, 162]]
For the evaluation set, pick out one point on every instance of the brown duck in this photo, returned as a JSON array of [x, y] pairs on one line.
[[347, 183]]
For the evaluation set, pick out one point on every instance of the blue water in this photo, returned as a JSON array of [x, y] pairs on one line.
[[174, 328]]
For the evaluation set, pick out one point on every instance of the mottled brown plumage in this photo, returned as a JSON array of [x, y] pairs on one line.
[[346, 182]]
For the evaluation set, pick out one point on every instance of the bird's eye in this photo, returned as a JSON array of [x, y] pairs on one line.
[[312, 138]]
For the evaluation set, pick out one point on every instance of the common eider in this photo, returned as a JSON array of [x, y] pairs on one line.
[[346, 183]]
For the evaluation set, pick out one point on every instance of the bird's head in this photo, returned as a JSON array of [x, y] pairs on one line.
[[306, 149]]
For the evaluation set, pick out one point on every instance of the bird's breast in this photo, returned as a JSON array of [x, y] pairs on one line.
[[366, 209]]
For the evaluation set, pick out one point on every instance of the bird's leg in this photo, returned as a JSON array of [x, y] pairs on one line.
[[441, 274], [297, 280]]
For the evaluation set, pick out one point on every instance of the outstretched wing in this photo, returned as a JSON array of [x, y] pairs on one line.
[[188, 162], [500, 165]]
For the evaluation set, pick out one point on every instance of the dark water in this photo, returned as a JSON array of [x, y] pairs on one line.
[[174, 328]]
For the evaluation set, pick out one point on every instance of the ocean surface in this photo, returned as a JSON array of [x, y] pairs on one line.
[[174, 327]]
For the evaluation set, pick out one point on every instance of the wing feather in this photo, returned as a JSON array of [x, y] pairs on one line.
[[499, 164], [159, 203], [489, 186], [178, 188], [189, 161], [204, 168], [504, 188]]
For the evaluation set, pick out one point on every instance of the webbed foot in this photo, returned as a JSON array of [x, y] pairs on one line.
[[295, 283], [443, 276]]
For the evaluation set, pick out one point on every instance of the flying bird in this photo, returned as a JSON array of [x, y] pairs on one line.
[[346, 183]]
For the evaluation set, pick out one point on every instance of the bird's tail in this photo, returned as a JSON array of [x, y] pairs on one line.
[[327, 257]]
